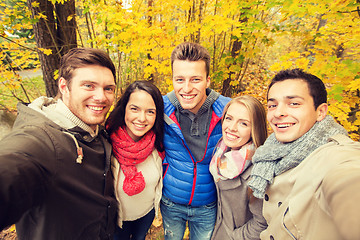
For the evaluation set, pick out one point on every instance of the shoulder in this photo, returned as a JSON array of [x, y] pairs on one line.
[[168, 106], [339, 148], [220, 103]]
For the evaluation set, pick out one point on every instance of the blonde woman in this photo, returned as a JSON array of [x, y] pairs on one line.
[[239, 214]]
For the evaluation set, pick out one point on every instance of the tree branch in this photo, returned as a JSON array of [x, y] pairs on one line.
[[10, 40]]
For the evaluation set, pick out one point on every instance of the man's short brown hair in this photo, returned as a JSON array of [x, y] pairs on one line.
[[191, 52], [83, 57]]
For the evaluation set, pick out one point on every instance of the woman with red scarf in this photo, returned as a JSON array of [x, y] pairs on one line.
[[136, 132]]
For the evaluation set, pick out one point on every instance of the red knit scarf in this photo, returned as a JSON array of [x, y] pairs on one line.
[[130, 153]]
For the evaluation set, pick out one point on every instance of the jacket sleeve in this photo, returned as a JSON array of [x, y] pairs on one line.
[[341, 193], [251, 229], [23, 177]]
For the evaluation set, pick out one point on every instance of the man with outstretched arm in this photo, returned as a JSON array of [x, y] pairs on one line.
[[54, 165]]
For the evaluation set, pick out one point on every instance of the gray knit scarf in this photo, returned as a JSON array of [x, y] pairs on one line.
[[274, 158]]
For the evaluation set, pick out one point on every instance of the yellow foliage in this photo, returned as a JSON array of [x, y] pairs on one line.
[[302, 63], [69, 18], [322, 37], [35, 4], [354, 85], [46, 51]]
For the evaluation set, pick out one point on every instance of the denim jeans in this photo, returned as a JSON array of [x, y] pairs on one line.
[[201, 220], [135, 230]]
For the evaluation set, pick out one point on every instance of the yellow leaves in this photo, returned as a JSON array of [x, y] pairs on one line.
[[40, 15], [45, 51], [275, 67], [286, 64], [157, 222], [354, 85], [35, 4], [234, 83], [293, 54], [69, 18], [302, 63], [12, 228], [293, 59]]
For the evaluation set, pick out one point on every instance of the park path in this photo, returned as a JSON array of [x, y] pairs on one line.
[[30, 73]]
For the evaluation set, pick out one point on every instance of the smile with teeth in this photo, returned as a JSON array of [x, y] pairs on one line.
[[188, 97], [284, 125], [95, 108], [139, 125], [231, 136]]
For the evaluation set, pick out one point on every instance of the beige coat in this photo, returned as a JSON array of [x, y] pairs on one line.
[[239, 213], [320, 198]]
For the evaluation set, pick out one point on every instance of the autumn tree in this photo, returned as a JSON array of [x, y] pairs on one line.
[[249, 41], [55, 33]]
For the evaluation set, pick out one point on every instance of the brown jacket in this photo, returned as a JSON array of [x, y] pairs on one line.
[[318, 199], [239, 213]]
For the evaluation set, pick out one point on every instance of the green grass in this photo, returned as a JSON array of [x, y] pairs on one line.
[[24, 89]]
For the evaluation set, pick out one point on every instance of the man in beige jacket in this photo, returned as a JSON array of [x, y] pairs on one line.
[[308, 170]]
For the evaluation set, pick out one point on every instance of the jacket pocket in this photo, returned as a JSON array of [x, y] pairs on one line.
[[289, 225]]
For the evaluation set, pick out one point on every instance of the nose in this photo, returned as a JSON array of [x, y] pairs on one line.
[[187, 86], [280, 110], [142, 116], [233, 126], [100, 95]]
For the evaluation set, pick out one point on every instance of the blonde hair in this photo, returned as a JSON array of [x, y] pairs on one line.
[[257, 117]]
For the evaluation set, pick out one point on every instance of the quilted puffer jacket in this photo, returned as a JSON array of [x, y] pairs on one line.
[[187, 181]]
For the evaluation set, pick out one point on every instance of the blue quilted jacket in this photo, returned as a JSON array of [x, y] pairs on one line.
[[187, 181]]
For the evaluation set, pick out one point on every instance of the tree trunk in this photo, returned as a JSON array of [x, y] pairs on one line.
[[66, 29], [59, 37], [227, 90], [150, 22]]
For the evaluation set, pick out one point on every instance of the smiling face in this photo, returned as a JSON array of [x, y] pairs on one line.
[[90, 94], [236, 126], [140, 114], [291, 111], [190, 83]]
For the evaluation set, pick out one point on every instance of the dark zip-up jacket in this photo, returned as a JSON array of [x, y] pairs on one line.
[[45, 191]]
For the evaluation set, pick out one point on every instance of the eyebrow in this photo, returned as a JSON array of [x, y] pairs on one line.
[[287, 97], [88, 81], [241, 119], [139, 107], [181, 76], [96, 83]]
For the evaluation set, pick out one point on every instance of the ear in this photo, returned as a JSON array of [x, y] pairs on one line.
[[321, 111], [63, 86], [208, 82]]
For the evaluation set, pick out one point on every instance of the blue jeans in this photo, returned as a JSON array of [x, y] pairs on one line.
[[135, 230], [201, 220]]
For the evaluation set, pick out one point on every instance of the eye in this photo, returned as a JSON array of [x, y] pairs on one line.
[[245, 124], [271, 106], [179, 80], [294, 104], [110, 89], [152, 112], [86, 85], [196, 80]]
